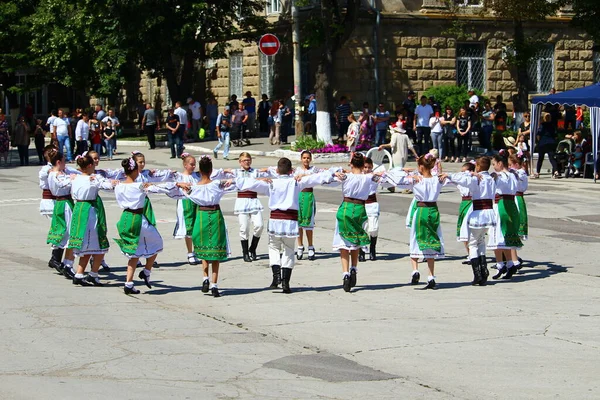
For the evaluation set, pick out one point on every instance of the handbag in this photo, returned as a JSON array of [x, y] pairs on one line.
[[270, 120]]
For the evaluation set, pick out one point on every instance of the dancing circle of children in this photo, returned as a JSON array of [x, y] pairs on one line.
[[479, 215], [372, 224], [504, 237], [138, 236], [283, 189], [209, 231], [426, 239], [307, 207], [88, 224]]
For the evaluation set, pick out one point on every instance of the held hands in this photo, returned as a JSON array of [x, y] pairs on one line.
[[442, 177], [187, 187], [340, 175]]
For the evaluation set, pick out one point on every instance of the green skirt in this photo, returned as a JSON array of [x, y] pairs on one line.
[[306, 210], [523, 222], [189, 215], [351, 218], [58, 227], [427, 222], [210, 236], [130, 227], [79, 223], [462, 212], [509, 222]]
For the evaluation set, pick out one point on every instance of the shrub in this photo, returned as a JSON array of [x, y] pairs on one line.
[[451, 95]]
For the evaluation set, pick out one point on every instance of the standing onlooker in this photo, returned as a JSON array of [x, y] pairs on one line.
[[212, 112], [95, 134], [473, 98], [116, 125], [263, 114], [423, 114], [500, 119], [448, 121], [109, 133], [239, 119], [288, 117], [39, 137], [341, 112], [4, 138], [579, 118], [100, 112], [353, 134], [150, 123], [399, 144], [274, 137], [437, 133], [61, 130], [196, 110], [410, 106], [382, 118], [463, 126], [82, 134], [223, 127], [233, 103], [49, 128], [546, 144], [487, 128], [273, 117], [312, 114], [174, 135], [21, 140], [499, 104], [367, 124], [250, 107], [183, 120]]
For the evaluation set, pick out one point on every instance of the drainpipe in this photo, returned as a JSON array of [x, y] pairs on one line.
[[374, 8]]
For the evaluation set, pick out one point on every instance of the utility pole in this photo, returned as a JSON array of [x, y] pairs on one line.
[[299, 127]]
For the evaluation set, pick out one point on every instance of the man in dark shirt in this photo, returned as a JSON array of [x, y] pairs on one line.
[[410, 105], [342, 112], [174, 134], [233, 104]]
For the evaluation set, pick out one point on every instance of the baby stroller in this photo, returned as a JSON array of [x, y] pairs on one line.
[[563, 156], [242, 137]]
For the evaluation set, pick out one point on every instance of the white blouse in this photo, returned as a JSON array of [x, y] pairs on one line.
[[484, 189], [209, 194], [85, 187], [45, 171], [133, 195], [523, 182], [59, 183], [357, 186], [506, 183]]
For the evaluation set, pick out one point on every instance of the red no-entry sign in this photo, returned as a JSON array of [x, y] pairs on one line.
[[269, 44]]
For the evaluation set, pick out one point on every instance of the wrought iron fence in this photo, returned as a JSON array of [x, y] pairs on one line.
[[470, 65], [596, 66]]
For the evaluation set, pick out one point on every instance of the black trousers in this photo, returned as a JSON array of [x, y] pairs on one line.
[[39, 147], [450, 146], [463, 144], [150, 131], [549, 149], [23, 154], [82, 146], [423, 132]]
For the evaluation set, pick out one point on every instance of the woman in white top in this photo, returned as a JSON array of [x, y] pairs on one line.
[[437, 134], [399, 145], [350, 235], [426, 239], [88, 225], [307, 208], [139, 237]]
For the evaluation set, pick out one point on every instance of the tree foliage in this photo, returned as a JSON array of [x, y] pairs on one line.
[[587, 15]]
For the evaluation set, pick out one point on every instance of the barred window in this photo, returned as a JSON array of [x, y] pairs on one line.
[[470, 65], [273, 7], [541, 70], [596, 66], [236, 74], [266, 75]]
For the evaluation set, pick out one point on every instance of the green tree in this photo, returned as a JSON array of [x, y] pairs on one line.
[[587, 15]]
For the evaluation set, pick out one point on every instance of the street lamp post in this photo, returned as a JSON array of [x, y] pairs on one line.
[[299, 128]]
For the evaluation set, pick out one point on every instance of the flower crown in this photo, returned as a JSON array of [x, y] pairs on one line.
[[131, 163], [184, 155]]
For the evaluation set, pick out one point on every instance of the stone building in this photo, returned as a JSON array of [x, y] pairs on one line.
[[415, 51]]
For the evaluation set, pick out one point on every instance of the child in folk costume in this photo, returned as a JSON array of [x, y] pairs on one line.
[[351, 216], [518, 165], [47, 202], [352, 134], [462, 228], [372, 224], [186, 209], [248, 208], [307, 208], [480, 215], [88, 224], [426, 239], [209, 234], [504, 237], [283, 192], [139, 237], [59, 184]]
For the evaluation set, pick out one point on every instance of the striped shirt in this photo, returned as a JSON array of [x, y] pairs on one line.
[[343, 111]]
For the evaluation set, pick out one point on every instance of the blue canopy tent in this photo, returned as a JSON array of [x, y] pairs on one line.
[[586, 96]]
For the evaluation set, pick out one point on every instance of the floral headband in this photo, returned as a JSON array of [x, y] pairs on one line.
[[131, 163], [473, 162], [205, 157], [135, 153], [428, 156], [81, 156], [502, 152], [184, 155]]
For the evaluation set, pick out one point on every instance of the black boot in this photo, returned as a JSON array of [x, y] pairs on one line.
[[245, 251], [477, 278], [56, 258], [501, 271], [484, 270], [510, 272], [253, 247], [286, 274], [361, 255], [372, 248], [276, 276], [67, 272]]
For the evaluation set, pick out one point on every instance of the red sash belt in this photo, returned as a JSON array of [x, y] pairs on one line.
[[214, 207], [67, 197], [429, 204], [134, 211], [247, 195], [372, 199], [288, 215], [520, 194], [505, 197], [309, 190], [465, 198], [353, 200], [47, 195], [483, 204]]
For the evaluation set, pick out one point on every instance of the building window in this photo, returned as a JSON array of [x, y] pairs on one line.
[[596, 66], [469, 3], [266, 75], [470, 65], [273, 7], [541, 71], [236, 74]]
